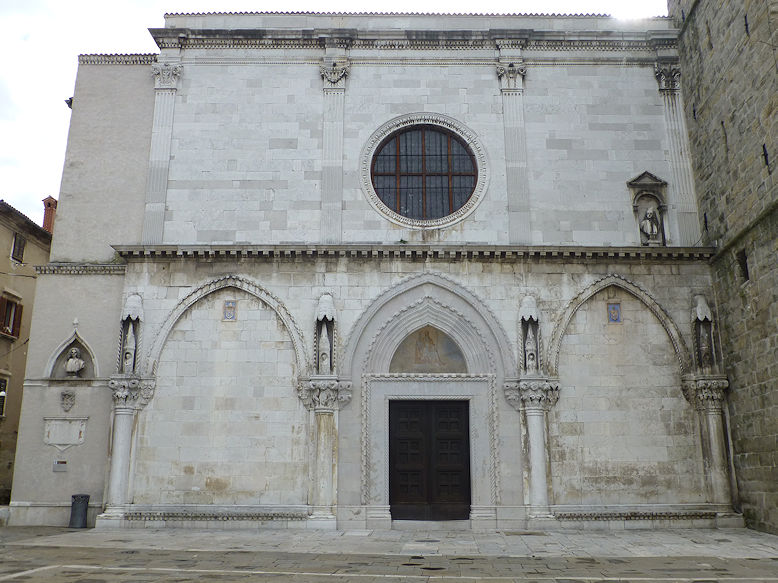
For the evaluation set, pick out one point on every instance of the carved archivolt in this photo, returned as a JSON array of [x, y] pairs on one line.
[[238, 282], [427, 299], [435, 119], [563, 321]]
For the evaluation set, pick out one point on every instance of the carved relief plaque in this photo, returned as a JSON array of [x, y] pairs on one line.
[[64, 432]]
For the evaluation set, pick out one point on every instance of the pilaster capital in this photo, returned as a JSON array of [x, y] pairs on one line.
[[131, 392], [166, 75], [668, 76], [705, 392], [324, 393], [532, 393], [511, 76], [334, 76]]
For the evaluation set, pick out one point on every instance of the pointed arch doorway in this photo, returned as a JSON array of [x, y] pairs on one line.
[[429, 441]]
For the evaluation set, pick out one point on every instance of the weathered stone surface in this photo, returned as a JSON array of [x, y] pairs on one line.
[[727, 52]]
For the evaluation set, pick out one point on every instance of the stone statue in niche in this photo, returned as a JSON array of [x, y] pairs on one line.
[[529, 329], [650, 226], [531, 352], [128, 352], [75, 363], [325, 335], [132, 316], [703, 332]]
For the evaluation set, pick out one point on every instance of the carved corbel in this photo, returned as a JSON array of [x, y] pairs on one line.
[[668, 76], [511, 76], [324, 393], [166, 75], [334, 74], [131, 393]]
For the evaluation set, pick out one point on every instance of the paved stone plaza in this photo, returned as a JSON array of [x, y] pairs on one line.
[[57, 555]]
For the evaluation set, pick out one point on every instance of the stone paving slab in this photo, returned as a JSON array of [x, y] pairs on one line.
[[58, 555]]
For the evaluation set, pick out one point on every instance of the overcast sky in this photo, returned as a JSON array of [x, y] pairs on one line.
[[41, 41]]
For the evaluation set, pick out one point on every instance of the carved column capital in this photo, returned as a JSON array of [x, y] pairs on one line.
[[705, 392], [131, 392], [334, 76], [511, 76], [166, 75], [668, 77], [324, 393], [538, 393]]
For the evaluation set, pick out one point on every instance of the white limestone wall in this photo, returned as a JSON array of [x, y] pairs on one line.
[[246, 152], [225, 425], [103, 190], [184, 396], [622, 432]]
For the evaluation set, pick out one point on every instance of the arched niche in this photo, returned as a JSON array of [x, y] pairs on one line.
[[563, 321], [57, 365], [428, 300], [151, 356], [428, 350]]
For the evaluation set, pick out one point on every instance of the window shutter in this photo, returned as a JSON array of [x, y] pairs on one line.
[[17, 321], [3, 302]]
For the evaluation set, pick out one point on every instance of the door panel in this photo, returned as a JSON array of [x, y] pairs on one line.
[[429, 460]]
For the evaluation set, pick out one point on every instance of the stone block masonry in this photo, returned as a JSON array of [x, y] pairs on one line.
[[730, 84]]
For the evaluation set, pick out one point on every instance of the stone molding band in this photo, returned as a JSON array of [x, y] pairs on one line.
[[402, 251], [80, 269], [198, 516]]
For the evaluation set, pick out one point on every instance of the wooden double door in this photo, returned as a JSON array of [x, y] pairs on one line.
[[429, 460]]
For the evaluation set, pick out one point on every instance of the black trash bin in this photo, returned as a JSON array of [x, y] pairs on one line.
[[78, 509]]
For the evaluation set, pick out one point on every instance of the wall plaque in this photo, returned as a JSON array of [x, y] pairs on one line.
[[64, 432]]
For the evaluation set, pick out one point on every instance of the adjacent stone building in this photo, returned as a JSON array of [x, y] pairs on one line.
[[327, 270], [24, 245], [730, 77]]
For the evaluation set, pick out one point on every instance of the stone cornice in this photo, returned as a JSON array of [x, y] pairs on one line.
[[139, 59], [459, 39], [81, 269], [400, 251]]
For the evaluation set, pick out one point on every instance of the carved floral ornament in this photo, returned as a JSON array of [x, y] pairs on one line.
[[668, 77], [335, 74], [532, 393], [511, 76], [166, 75], [324, 393], [132, 393], [705, 392]]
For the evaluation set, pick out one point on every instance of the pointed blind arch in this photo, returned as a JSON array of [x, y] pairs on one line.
[[428, 350]]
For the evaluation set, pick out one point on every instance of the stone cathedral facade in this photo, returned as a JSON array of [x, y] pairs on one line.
[[347, 271]]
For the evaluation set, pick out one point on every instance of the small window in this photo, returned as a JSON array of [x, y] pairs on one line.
[[17, 254], [11, 314], [3, 392], [424, 172]]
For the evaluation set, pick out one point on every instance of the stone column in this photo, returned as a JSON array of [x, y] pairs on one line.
[[324, 395], [535, 397], [686, 228], [334, 75], [511, 75], [166, 79], [129, 396], [707, 396]]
